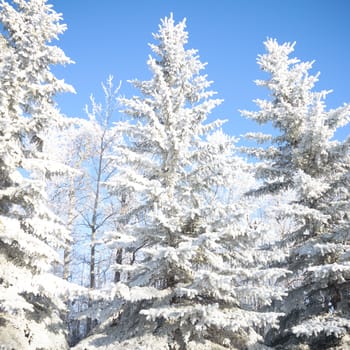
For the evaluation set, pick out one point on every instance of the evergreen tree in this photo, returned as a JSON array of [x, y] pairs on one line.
[[186, 282], [305, 159], [30, 233]]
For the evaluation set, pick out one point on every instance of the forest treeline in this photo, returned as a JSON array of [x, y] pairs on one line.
[[142, 225]]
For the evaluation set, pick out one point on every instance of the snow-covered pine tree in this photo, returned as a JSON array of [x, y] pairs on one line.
[[29, 231], [185, 284], [305, 158]]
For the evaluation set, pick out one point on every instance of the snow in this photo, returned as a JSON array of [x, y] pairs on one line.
[[215, 252]]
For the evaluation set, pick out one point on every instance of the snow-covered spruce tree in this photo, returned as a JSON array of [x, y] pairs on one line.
[[305, 158], [29, 231], [186, 282]]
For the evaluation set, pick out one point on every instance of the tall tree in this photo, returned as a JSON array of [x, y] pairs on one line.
[[29, 232], [305, 158], [100, 208], [68, 146], [185, 282], [82, 200]]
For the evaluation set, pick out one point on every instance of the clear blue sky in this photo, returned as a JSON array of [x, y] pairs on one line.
[[111, 37]]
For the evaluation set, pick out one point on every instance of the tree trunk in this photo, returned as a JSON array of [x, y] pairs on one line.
[[92, 277], [70, 219], [118, 260], [66, 261]]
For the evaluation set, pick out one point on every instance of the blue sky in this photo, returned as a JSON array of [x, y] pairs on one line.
[[111, 37]]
